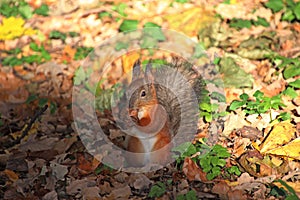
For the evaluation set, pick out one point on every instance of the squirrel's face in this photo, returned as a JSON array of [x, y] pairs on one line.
[[142, 103]]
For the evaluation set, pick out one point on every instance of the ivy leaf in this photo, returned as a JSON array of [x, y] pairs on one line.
[[151, 25], [157, 190], [296, 83], [186, 148], [297, 11], [290, 92], [25, 11], [274, 5], [291, 71], [120, 8], [236, 104], [261, 21], [240, 23], [121, 45], [79, 76], [233, 75], [42, 10], [128, 25]]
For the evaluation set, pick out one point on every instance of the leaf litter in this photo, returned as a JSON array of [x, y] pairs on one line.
[[50, 162]]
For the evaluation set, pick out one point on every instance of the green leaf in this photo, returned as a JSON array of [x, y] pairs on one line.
[[148, 42], [53, 107], [261, 21], [151, 25], [79, 76], [120, 8], [82, 52], [235, 104], [128, 25], [208, 117], [57, 35], [289, 188], [291, 71], [154, 32], [258, 94], [244, 97], [121, 45], [104, 14], [43, 102], [274, 5], [181, 1], [205, 106], [297, 11], [199, 51], [284, 116], [34, 47], [289, 91], [186, 148], [25, 11], [288, 16], [216, 60], [240, 23], [157, 190], [295, 84], [234, 170], [233, 75], [42, 10], [191, 195], [31, 98], [218, 96]]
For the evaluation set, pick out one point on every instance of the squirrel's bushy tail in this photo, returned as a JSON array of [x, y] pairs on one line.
[[178, 88]]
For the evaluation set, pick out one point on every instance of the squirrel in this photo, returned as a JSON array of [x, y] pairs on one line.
[[156, 110]]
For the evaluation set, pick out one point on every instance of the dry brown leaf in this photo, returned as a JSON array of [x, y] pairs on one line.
[[192, 171], [274, 89], [86, 164], [68, 53], [222, 189], [11, 175]]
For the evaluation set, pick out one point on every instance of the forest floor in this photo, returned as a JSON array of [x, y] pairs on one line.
[[44, 51]]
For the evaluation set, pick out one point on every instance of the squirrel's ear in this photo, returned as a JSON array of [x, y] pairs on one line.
[[136, 71], [148, 71]]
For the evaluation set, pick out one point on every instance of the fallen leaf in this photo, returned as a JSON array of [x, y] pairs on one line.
[[294, 185], [11, 175], [86, 164], [222, 189], [58, 170], [281, 134], [190, 21], [290, 150], [192, 170], [128, 60], [68, 53]]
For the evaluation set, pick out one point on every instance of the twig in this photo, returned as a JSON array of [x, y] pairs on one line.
[[27, 129]]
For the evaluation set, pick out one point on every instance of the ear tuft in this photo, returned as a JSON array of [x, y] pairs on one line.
[[136, 71], [148, 71]]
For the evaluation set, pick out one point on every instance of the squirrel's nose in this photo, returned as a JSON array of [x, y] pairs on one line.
[[134, 114]]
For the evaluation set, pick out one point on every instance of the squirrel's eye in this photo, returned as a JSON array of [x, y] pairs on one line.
[[143, 93]]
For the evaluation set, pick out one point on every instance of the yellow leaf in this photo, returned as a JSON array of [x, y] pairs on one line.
[[190, 21], [294, 185], [13, 27], [290, 150], [281, 134]]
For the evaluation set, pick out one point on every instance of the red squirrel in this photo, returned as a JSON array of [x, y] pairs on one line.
[[162, 110], [152, 136]]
